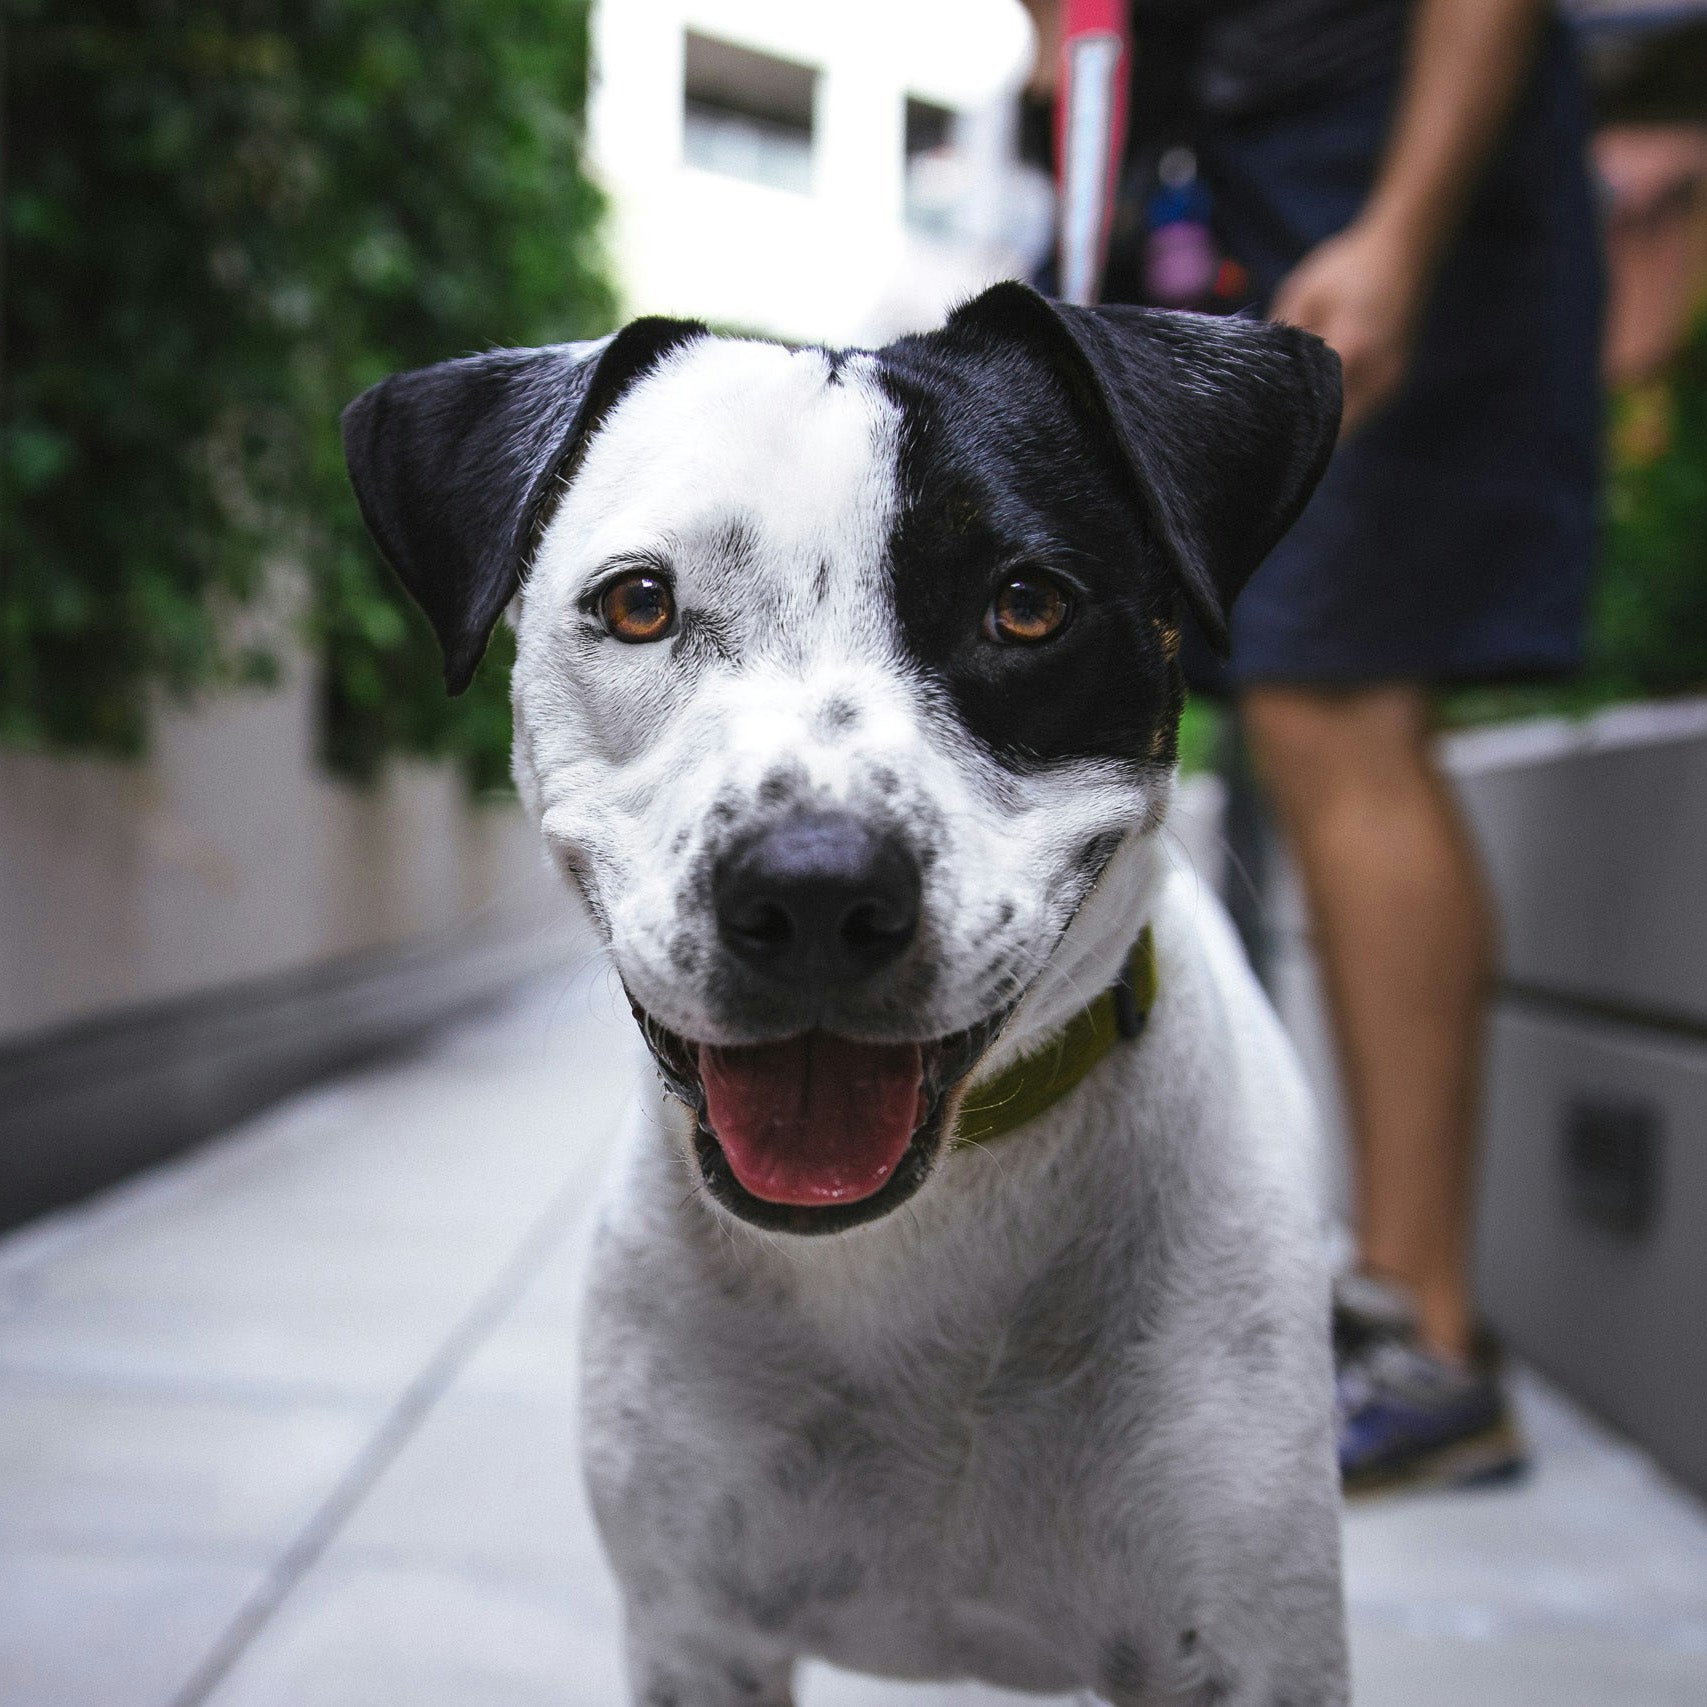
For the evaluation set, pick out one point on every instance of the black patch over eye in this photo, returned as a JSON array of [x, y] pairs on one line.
[[1027, 610], [638, 607], [999, 476]]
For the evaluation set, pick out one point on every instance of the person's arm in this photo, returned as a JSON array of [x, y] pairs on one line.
[[1046, 59], [1364, 289]]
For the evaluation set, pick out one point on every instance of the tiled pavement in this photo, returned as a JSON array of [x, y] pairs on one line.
[[287, 1424]]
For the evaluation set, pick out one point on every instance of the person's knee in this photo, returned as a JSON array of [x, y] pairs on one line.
[[1311, 745]]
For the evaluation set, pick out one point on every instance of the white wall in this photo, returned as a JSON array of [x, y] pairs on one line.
[[837, 264], [231, 855]]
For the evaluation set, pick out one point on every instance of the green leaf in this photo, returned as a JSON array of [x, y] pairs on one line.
[[224, 222]]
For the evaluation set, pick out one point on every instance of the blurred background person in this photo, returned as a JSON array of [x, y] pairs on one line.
[[1408, 181], [1650, 149]]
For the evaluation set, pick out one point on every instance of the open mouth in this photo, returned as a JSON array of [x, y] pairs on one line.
[[818, 1132]]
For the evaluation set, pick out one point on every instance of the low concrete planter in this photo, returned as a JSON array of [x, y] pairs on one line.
[[184, 939], [1592, 1249], [1595, 835]]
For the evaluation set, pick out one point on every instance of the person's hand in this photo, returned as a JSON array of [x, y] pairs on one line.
[[1362, 292]]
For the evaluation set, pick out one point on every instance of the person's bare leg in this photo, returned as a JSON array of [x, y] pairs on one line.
[[1405, 938]]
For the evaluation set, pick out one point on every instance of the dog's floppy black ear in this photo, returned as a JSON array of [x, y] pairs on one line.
[[453, 464], [1227, 425]]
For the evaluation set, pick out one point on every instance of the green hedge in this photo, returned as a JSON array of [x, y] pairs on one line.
[[222, 221], [1650, 630]]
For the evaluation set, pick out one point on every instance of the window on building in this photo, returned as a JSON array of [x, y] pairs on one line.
[[933, 174], [746, 114], [929, 127]]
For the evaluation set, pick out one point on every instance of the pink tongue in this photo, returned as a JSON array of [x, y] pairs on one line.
[[816, 1120]]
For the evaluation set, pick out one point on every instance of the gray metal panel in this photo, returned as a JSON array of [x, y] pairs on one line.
[[1619, 1318], [1596, 840]]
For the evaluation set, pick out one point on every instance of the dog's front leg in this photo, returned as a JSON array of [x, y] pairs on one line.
[[672, 1668]]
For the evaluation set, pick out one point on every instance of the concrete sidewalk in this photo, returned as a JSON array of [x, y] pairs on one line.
[[287, 1424]]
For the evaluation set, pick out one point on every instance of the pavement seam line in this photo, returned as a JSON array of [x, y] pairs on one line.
[[388, 1440]]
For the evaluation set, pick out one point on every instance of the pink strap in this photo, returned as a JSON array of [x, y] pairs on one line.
[[1090, 137]]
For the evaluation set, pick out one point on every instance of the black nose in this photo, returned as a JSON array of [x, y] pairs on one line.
[[818, 899]]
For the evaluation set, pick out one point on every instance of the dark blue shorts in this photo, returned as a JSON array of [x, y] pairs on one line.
[[1453, 537]]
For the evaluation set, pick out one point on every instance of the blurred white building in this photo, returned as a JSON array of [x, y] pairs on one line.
[[812, 169]]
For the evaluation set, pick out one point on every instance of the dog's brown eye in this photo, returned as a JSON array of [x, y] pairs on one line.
[[1027, 609], [638, 607]]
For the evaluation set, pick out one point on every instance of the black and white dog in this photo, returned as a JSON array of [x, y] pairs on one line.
[[847, 696]]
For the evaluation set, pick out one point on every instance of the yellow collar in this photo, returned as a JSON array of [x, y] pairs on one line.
[[1037, 1082]]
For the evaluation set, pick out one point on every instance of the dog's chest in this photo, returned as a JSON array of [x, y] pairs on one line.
[[923, 1506]]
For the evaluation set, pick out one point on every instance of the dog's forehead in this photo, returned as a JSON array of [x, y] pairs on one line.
[[796, 445]]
